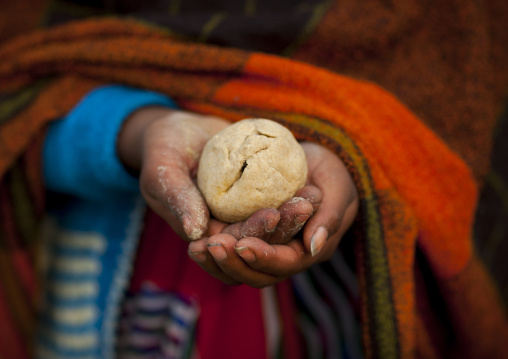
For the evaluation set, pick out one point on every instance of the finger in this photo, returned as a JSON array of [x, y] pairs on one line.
[[233, 230], [169, 190], [335, 216], [199, 252], [215, 227], [324, 223], [293, 215], [279, 261], [261, 224], [311, 194], [337, 209], [223, 248]]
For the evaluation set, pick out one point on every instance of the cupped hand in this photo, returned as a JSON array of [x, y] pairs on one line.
[[164, 146], [262, 250]]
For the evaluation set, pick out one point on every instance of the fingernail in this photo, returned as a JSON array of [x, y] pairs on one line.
[[270, 226], [192, 233], [301, 219], [186, 222], [299, 222], [218, 251], [318, 240], [246, 253], [199, 257]]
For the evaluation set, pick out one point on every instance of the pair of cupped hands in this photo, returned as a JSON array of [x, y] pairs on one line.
[[163, 146]]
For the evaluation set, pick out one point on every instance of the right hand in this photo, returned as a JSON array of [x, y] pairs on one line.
[[164, 147]]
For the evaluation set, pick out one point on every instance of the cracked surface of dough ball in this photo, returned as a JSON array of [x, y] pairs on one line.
[[250, 165]]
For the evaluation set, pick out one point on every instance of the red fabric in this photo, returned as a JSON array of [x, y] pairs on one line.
[[292, 342], [230, 323], [11, 343]]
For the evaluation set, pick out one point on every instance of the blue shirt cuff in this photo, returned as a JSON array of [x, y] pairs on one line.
[[80, 155]]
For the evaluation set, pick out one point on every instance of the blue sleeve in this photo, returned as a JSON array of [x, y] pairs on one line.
[[79, 153]]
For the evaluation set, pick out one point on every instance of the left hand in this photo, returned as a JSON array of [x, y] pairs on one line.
[[262, 250]]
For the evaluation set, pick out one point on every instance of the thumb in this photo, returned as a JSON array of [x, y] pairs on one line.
[[339, 206], [171, 193], [330, 220]]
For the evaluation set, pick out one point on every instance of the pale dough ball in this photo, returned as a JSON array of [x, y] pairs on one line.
[[250, 165]]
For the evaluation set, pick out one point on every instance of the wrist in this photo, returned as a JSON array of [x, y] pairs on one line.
[[130, 138]]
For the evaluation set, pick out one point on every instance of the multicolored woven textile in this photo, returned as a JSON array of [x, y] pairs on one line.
[[424, 290]]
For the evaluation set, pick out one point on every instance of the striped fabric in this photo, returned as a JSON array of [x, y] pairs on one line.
[[327, 319], [157, 324], [88, 274]]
